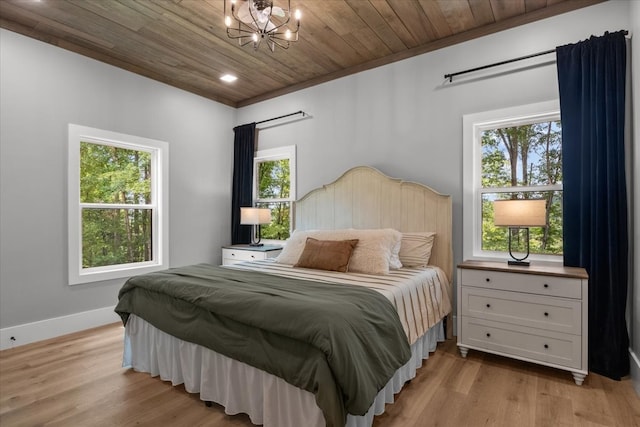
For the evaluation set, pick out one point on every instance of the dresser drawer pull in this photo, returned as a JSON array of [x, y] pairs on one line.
[[233, 254], [252, 256], [487, 279], [546, 314], [546, 285], [488, 335], [488, 305], [546, 346]]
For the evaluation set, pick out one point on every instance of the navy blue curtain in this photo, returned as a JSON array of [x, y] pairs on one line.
[[591, 78], [242, 192]]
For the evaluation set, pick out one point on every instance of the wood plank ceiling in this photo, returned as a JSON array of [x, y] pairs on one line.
[[183, 43]]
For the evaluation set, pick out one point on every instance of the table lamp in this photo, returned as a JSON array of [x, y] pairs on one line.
[[255, 217], [519, 214]]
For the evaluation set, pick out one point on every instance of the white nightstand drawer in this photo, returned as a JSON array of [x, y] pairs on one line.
[[567, 287], [241, 255], [548, 313], [532, 344]]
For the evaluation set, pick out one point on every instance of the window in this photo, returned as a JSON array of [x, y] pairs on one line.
[[274, 187], [512, 154], [118, 205]]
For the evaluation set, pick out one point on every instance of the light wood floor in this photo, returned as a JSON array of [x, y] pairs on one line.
[[77, 380]]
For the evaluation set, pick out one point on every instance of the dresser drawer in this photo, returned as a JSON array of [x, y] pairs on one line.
[[542, 312], [567, 287], [532, 344]]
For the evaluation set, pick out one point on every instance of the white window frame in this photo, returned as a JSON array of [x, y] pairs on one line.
[[280, 153], [473, 126], [159, 196]]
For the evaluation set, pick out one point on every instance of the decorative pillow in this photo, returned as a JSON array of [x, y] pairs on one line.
[[415, 249], [333, 255], [394, 259], [371, 255]]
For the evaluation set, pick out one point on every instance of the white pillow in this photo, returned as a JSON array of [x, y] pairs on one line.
[[394, 260], [415, 249], [371, 255]]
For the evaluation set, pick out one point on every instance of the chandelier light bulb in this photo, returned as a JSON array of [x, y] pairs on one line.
[[227, 21], [287, 34], [298, 14], [255, 37]]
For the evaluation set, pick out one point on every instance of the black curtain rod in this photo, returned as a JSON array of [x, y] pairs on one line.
[[452, 75], [282, 117], [546, 52]]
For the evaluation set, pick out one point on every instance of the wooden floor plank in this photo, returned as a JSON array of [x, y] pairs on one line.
[[77, 380], [553, 411]]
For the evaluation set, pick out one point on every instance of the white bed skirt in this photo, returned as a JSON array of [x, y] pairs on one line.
[[241, 388]]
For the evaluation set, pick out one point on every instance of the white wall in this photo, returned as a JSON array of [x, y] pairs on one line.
[[43, 88], [405, 119]]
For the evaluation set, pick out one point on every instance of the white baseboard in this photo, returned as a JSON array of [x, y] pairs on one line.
[[50, 328], [635, 370]]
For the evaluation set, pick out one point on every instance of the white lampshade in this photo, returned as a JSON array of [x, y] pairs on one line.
[[519, 213], [254, 216]]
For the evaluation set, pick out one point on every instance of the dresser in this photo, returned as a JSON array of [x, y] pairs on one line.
[[537, 314], [238, 253]]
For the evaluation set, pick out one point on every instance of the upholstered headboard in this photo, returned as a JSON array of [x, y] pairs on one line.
[[363, 197]]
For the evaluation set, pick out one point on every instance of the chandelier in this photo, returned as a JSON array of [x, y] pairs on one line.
[[260, 20]]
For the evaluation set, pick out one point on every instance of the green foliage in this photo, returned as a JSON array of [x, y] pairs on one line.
[[493, 171], [274, 183], [113, 175], [493, 238], [115, 236], [529, 155], [279, 227]]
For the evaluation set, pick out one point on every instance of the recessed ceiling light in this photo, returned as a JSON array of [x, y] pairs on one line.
[[228, 78]]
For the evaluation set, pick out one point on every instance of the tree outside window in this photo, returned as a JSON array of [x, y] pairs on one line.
[[523, 162], [110, 178], [274, 188]]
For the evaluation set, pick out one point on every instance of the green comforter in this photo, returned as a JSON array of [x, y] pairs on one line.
[[340, 342]]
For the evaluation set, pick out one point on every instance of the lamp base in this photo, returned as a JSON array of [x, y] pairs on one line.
[[520, 263], [255, 236]]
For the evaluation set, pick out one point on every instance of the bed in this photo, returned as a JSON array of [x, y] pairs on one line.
[[360, 204]]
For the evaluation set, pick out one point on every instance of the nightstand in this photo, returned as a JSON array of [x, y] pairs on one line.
[[238, 253], [537, 314]]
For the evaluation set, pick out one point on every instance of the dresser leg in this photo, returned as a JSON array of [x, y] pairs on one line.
[[578, 378], [463, 351]]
